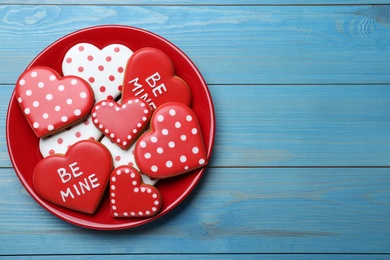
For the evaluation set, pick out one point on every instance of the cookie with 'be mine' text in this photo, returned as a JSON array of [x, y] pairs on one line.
[[173, 146], [75, 180], [150, 76]]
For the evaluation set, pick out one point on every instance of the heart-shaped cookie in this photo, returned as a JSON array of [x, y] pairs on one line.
[[129, 197], [150, 76], [76, 180], [102, 68], [174, 145], [50, 102], [121, 123]]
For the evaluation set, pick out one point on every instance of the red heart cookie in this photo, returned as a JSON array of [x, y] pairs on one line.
[[129, 197], [76, 180], [174, 146], [51, 103], [121, 123], [150, 76]]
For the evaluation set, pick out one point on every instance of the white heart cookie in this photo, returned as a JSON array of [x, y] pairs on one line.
[[104, 71], [125, 157]]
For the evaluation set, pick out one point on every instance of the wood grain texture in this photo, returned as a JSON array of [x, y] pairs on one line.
[[229, 44], [301, 164], [230, 211]]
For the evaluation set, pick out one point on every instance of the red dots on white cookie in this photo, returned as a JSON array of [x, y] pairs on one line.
[[97, 66]]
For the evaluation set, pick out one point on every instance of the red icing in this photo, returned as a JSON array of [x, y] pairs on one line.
[[174, 146], [129, 197], [51, 103], [150, 76], [76, 180], [121, 123]]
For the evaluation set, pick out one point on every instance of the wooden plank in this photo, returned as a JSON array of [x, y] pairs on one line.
[[230, 211], [345, 44], [290, 125]]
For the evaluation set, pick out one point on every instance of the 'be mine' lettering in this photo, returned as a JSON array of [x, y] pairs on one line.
[[81, 186]]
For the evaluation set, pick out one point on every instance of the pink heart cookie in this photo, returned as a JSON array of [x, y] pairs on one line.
[[102, 68], [50, 102], [121, 123], [129, 197], [150, 76], [76, 180], [174, 146]]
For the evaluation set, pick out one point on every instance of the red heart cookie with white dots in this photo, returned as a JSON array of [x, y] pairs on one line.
[[76, 180], [129, 197], [50, 102], [150, 76], [121, 123], [175, 144], [102, 68]]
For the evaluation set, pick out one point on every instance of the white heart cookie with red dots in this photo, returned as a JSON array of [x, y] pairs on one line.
[[51, 102], [129, 197], [102, 68], [175, 144], [125, 157]]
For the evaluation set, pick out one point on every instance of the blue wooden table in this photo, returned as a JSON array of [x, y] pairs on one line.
[[301, 162]]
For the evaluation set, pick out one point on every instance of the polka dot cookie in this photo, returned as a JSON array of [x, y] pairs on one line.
[[50, 102], [129, 197], [174, 145], [121, 123], [103, 68]]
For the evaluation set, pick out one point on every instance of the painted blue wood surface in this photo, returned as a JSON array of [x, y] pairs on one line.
[[301, 164], [230, 44]]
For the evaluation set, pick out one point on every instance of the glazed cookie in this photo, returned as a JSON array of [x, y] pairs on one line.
[[102, 68], [129, 197], [125, 157], [121, 123], [76, 180], [174, 146], [51, 103], [150, 76]]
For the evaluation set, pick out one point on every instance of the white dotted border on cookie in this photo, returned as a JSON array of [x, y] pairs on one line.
[[136, 190], [107, 131]]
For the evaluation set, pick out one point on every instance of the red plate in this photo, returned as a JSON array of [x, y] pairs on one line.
[[23, 144]]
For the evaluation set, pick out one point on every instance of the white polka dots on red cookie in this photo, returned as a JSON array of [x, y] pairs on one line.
[[174, 146], [129, 197], [102, 68], [47, 104]]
